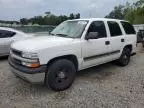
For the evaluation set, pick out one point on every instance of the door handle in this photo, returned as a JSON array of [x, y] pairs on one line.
[[107, 42], [122, 40]]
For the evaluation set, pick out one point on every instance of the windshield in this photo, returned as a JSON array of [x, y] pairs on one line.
[[70, 29]]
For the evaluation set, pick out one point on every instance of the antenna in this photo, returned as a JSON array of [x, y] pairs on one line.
[[90, 15]]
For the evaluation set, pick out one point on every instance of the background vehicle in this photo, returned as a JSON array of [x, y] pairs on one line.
[[73, 45], [7, 36], [140, 37]]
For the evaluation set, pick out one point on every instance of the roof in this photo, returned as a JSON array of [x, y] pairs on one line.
[[104, 19], [11, 29]]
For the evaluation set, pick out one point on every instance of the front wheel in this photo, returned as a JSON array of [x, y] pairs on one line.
[[60, 75], [125, 57]]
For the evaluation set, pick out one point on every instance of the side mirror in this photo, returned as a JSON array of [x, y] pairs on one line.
[[92, 35]]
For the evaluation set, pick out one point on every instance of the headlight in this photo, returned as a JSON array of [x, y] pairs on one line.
[[31, 65], [30, 55], [33, 60]]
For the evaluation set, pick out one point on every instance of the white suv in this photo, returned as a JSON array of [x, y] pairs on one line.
[[72, 46]]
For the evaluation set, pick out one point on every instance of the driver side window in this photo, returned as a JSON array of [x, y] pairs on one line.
[[98, 26]]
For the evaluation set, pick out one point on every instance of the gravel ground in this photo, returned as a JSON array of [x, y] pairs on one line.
[[105, 86]]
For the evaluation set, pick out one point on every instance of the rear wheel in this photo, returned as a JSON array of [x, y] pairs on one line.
[[143, 44], [125, 57], [60, 75]]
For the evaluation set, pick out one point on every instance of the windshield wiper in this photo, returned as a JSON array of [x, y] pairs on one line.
[[62, 35], [52, 34]]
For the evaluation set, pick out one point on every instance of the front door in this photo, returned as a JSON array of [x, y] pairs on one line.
[[95, 51]]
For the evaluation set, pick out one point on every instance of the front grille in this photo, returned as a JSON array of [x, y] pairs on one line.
[[16, 52], [15, 61]]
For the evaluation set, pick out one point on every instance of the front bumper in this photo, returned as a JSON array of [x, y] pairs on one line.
[[32, 75]]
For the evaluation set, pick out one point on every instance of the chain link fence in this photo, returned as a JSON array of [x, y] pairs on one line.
[[31, 29], [49, 28]]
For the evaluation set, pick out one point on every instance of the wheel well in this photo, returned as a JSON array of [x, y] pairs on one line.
[[72, 58], [129, 46]]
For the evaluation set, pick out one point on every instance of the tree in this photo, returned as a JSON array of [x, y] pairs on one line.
[[71, 16], [133, 13], [49, 19], [77, 16], [48, 13], [117, 13], [139, 3], [24, 21]]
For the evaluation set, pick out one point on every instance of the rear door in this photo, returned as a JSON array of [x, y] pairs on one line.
[[5, 41], [117, 39]]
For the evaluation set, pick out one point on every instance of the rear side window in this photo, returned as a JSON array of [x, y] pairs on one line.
[[6, 34], [129, 29], [114, 28]]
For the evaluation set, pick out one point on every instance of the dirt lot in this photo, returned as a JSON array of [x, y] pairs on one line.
[[106, 86]]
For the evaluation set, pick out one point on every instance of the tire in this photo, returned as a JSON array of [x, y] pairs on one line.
[[60, 75], [125, 57]]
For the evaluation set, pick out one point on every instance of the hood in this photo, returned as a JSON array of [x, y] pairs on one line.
[[36, 43]]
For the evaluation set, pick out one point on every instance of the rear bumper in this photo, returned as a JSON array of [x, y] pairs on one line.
[[32, 75]]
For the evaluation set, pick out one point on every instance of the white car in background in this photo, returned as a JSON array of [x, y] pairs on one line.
[[7, 36]]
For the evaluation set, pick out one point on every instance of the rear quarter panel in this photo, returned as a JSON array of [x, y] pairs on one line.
[[131, 40]]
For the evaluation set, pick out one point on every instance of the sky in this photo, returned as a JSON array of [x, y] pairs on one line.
[[17, 9]]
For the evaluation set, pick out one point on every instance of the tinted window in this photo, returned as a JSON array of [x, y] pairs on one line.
[[6, 34], [114, 28], [129, 29], [98, 26]]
